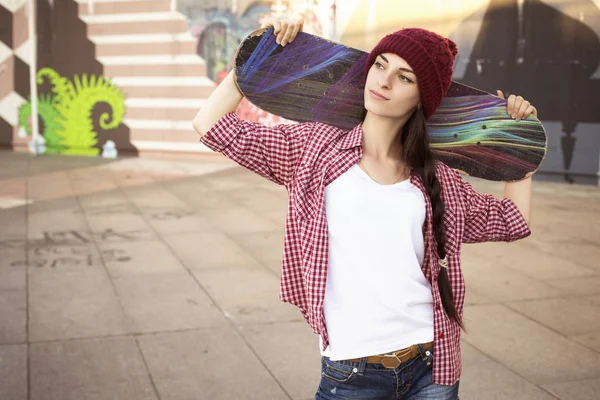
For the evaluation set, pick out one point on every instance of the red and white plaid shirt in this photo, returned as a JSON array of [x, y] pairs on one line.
[[307, 157]]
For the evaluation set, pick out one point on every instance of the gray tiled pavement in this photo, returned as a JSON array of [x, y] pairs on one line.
[[158, 279]]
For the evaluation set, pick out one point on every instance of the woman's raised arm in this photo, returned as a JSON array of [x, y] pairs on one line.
[[272, 152], [223, 100]]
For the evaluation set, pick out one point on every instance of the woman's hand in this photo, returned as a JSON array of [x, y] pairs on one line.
[[518, 107], [284, 29]]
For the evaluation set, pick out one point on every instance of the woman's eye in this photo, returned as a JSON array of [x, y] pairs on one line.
[[378, 64], [405, 79]]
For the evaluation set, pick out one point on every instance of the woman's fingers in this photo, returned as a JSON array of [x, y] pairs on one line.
[[285, 30], [277, 27], [285, 39], [297, 28], [510, 105], [521, 112], [532, 110], [514, 104], [529, 111], [519, 108]]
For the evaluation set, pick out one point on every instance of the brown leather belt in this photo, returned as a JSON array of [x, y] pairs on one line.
[[392, 360]]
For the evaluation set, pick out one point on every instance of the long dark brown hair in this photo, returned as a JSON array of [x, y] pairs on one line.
[[419, 157]]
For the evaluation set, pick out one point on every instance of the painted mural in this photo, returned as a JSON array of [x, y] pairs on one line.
[[220, 31], [67, 120], [80, 111]]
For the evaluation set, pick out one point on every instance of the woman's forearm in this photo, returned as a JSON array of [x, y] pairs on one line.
[[520, 193], [224, 99]]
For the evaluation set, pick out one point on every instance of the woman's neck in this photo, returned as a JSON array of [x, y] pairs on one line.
[[380, 136]]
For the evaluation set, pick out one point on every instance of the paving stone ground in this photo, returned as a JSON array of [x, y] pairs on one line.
[[159, 279]]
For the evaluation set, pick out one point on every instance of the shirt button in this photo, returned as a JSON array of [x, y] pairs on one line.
[[441, 335], [355, 370]]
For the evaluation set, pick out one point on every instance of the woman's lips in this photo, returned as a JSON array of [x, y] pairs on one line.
[[377, 95]]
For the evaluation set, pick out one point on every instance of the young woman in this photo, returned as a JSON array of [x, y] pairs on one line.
[[375, 224]]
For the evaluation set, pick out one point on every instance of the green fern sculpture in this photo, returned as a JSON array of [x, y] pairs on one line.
[[67, 115], [49, 116]]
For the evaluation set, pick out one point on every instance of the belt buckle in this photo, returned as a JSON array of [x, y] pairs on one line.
[[390, 360]]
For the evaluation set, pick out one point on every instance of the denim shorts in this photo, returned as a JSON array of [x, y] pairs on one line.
[[411, 380]]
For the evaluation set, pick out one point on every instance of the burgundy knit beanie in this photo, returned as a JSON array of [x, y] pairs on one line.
[[431, 57]]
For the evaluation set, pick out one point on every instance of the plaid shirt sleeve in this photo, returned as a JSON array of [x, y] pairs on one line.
[[271, 152], [489, 219]]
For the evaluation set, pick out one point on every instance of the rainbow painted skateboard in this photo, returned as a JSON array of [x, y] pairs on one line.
[[313, 79]]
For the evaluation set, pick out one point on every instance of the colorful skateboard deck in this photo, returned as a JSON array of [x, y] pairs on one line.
[[313, 79]]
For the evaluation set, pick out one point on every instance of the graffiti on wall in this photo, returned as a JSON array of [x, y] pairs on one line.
[[67, 114], [220, 31]]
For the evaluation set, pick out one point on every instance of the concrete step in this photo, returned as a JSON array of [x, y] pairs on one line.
[[162, 130], [170, 149], [163, 108], [132, 45], [138, 23], [145, 66], [165, 87], [102, 7]]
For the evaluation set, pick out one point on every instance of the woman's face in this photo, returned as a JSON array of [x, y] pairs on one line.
[[391, 89]]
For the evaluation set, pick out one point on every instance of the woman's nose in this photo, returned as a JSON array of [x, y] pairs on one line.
[[384, 81]]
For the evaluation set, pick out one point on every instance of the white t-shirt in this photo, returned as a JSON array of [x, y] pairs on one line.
[[377, 299]]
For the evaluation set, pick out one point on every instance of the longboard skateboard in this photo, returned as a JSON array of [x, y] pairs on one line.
[[314, 79]]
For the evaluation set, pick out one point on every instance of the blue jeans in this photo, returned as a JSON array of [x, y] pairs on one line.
[[411, 380]]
